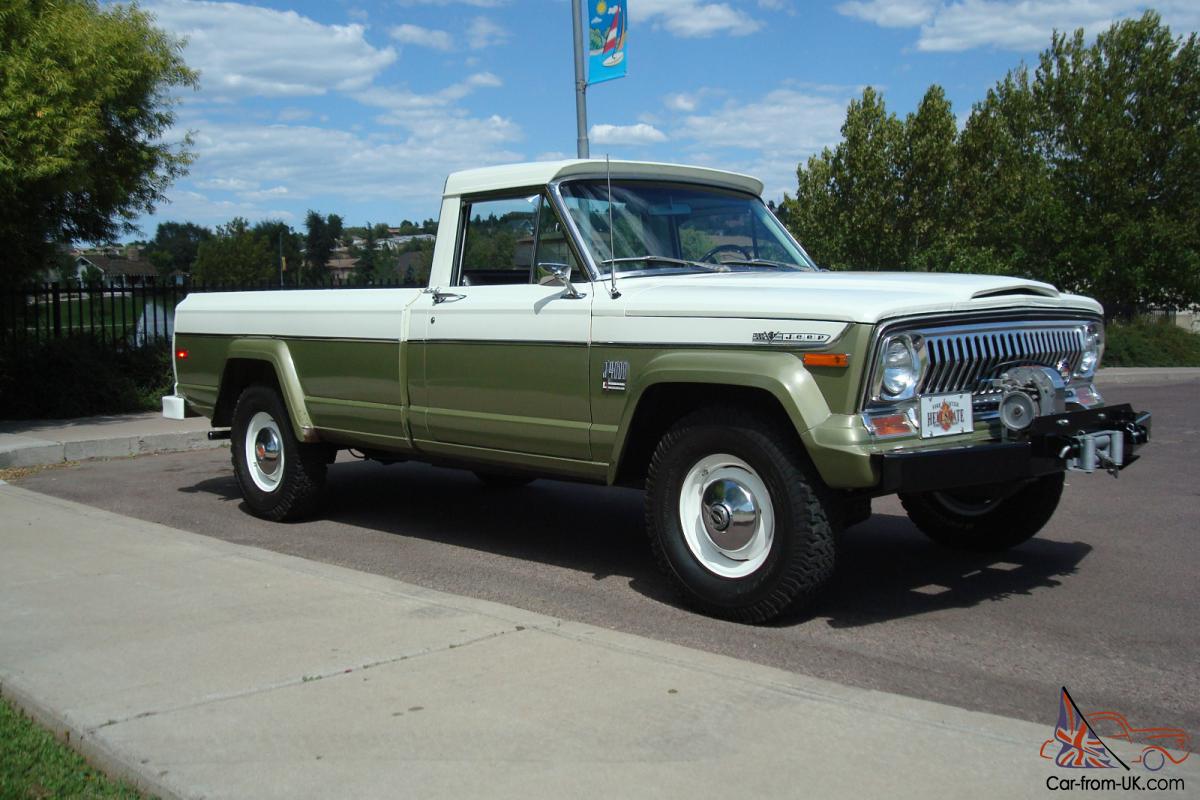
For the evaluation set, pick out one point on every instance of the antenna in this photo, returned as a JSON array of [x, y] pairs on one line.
[[612, 247]]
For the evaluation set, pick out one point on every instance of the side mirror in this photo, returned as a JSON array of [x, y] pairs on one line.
[[554, 274]]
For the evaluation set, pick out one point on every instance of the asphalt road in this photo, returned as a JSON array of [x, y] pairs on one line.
[[1104, 601]]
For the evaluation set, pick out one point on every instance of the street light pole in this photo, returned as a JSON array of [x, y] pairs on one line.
[[581, 142]]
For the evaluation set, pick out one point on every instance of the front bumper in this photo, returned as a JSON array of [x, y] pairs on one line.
[[1051, 444]]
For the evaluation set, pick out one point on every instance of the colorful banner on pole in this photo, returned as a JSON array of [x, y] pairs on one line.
[[606, 34]]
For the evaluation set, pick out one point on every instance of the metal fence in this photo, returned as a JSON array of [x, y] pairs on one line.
[[121, 316]]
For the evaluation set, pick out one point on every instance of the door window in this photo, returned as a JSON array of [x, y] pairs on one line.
[[498, 241]]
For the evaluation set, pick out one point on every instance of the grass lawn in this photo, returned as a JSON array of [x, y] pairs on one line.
[[116, 313], [34, 765]]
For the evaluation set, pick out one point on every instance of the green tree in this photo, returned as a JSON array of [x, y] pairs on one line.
[[847, 209], [278, 236], [321, 238], [85, 98], [235, 255], [927, 168], [1081, 174], [175, 245], [366, 270], [1120, 128]]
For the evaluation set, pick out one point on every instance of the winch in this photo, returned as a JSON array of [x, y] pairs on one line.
[[1085, 441]]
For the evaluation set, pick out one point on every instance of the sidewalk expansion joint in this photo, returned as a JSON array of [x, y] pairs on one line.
[[308, 678]]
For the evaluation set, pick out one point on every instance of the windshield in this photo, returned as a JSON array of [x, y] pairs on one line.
[[660, 227]]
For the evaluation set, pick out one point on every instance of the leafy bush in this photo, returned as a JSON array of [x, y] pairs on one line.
[[1150, 342], [77, 376]]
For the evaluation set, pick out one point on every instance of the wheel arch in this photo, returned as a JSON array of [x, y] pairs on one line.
[[675, 384], [251, 361]]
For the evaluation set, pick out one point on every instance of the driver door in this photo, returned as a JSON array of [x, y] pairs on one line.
[[506, 359]]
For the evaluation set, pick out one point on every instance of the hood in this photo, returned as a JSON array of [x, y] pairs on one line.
[[868, 297]]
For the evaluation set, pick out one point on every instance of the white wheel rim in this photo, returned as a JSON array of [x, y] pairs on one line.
[[726, 515], [264, 452]]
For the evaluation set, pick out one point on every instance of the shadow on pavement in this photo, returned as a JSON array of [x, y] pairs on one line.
[[886, 568]]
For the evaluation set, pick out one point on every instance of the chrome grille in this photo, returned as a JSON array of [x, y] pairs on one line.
[[969, 358]]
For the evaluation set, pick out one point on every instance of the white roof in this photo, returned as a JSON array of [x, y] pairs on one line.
[[539, 173]]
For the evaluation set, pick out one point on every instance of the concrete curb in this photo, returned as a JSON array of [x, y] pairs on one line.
[[44, 452], [112, 762]]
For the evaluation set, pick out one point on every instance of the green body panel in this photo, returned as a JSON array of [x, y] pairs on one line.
[[198, 377], [513, 396], [275, 352], [354, 389], [781, 373], [537, 407], [841, 385]]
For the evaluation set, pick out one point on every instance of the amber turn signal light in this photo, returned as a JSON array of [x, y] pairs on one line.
[[826, 360]]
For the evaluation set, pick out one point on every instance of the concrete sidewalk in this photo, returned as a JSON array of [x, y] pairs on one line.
[[198, 668], [35, 443]]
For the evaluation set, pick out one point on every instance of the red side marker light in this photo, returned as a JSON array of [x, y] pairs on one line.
[[181, 354]]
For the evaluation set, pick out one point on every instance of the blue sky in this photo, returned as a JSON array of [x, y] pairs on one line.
[[361, 107]]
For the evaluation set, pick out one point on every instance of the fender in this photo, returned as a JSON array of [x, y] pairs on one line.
[[783, 375], [276, 353]]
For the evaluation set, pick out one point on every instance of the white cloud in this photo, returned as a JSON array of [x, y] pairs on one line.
[[422, 37], [682, 102], [294, 114], [1022, 25], [476, 3], [297, 163], [890, 13], [767, 137], [241, 49], [694, 20], [480, 80], [483, 32], [639, 134]]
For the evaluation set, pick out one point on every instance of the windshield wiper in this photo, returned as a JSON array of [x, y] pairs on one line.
[[762, 262], [667, 260]]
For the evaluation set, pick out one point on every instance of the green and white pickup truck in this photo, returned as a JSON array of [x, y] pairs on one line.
[[655, 326]]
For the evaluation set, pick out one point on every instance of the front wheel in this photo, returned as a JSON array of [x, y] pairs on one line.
[[736, 517], [986, 518], [281, 478]]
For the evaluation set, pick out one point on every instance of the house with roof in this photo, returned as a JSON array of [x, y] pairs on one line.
[[118, 268]]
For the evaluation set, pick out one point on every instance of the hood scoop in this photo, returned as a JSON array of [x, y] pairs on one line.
[[1035, 290]]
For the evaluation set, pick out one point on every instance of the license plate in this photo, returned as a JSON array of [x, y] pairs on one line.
[[946, 415]]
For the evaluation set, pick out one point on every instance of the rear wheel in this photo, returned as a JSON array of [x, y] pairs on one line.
[[986, 518], [281, 478], [736, 516]]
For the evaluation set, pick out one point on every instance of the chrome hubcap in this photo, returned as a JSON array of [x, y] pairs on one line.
[[730, 514], [264, 452], [726, 516]]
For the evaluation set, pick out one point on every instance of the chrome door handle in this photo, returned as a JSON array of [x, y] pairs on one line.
[[440, 297]]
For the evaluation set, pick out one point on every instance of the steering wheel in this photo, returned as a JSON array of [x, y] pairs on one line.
[[724, 248]]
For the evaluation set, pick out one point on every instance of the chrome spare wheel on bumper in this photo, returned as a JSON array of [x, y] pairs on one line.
[[726, 515], [264, 452]]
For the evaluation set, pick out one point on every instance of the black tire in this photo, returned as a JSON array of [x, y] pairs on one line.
[[800, 558], [498, 480], [301, 478], [991, 525]]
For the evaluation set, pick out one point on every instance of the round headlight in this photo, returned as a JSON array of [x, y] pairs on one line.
[[1093, 349], [900, 367]]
